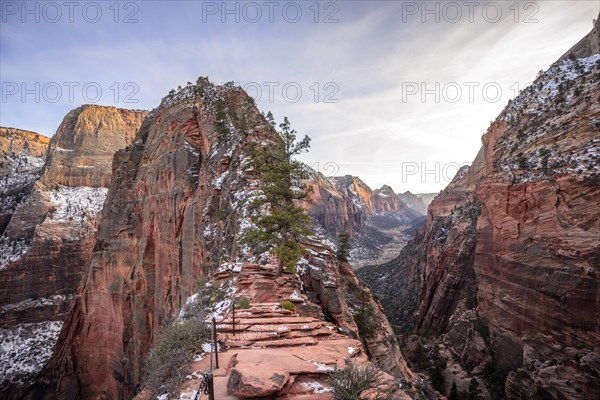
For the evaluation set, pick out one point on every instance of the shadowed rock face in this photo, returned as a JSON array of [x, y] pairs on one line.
[[49, 239], [520, 228]]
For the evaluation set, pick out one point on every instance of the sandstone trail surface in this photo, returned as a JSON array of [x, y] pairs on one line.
[[275, 352], [175, 210], [52, 192], [506, 269]]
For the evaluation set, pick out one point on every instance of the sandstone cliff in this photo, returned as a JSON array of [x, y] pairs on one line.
[[413, 201], [378, 220], [174, 212], [506, 268], [49, 239], [22, 157]]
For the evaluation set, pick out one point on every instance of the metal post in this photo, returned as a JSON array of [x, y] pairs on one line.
[[211, 387], [215, 343], [233, 316]]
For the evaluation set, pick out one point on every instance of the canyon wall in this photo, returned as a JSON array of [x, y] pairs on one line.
[[346, 203], [49, 239], [379, 221], [176, 208], [506, 269], [22, 157]]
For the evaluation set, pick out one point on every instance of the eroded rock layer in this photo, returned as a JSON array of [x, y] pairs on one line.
[[50, 237], [379, 221], [516, 238], [22, 157], [176, 208]]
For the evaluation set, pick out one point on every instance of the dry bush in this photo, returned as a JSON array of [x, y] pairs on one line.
[[169, 360], [353, 380]]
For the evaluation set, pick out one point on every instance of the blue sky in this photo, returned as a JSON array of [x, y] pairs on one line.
[[361, 66]]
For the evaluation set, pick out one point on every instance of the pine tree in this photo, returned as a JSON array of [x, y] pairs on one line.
[[473, 390], [343, 247], [281, 227], [419, 355], [454, 392], [471, 298], [270, 119]]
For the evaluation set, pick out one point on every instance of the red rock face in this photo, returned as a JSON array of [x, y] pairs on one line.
[[175, 209], [377, 220], [520, 227], [160, 234], [22, 157], [81, 151], [346, 204], [50, 237]]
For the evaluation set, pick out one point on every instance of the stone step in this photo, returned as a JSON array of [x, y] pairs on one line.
[[269, 321], [226, 328], [262, 333], [266, 334], [295, 342], [264, 305], [254, 309], [312, 396], [265, 314]]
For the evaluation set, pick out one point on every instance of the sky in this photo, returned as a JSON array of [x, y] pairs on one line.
[[395, 92]]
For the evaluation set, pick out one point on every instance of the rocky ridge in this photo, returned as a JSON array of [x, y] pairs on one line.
[[275, 352], [173, 214], [22, 157], [506, 268], [378, 220], [49, 238]]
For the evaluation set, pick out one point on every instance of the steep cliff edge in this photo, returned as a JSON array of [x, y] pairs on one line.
[[22, 157], [507, 267], [288, 353], [174, 212], [50, 236]]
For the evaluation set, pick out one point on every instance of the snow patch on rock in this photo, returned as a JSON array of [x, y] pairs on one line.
[[13, 249], [25, 348], [81, 202]]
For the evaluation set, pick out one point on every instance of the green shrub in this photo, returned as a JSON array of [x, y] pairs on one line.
[[523, 162], [437, 378], [419, 355], [221, 214], [242, 304], [287, 305], [289, 268], [482, 329], [343, 251]]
